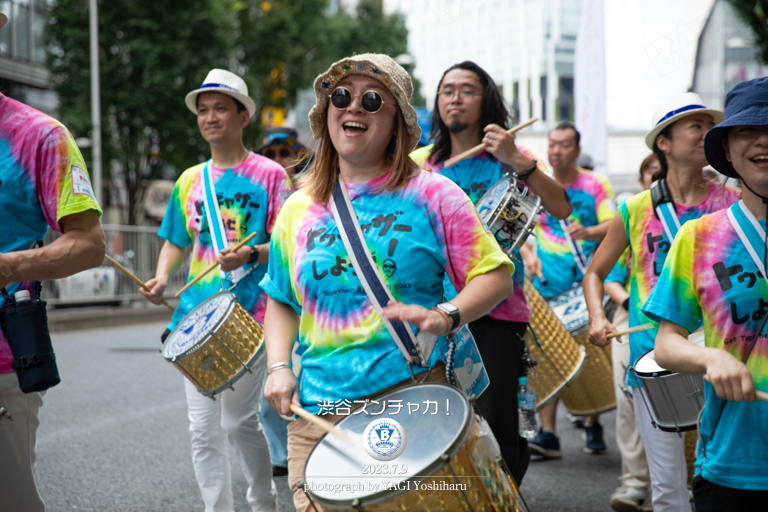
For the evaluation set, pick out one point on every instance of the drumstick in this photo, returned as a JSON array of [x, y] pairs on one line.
[[134, 278], [320, 423], [480, 147], [214, 265], [639, 328]]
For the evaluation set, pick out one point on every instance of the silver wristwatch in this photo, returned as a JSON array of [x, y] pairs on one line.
[[452, 312]]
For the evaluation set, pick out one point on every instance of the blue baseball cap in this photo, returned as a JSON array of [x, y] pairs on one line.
[[745, 105], [288, 136]]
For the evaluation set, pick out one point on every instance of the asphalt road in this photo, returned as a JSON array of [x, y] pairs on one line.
[[114, 437]]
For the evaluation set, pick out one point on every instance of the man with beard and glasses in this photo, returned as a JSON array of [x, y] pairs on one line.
[[469, 109]]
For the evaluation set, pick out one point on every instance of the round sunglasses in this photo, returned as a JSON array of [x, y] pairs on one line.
[[371, 101], [271, 153]]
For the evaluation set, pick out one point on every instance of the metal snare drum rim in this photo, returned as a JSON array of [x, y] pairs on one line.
[[214, 328], [660, 387], [456, 444], [495, 224]]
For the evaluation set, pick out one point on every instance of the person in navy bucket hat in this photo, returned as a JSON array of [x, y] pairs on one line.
[[745, 105]]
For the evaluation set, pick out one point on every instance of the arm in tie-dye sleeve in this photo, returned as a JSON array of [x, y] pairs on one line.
[[278, 281], [471, 250], [64, 187], [174, 227], [605, 200], [279, 190], [674, 297]]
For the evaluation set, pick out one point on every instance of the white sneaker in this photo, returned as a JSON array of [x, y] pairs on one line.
[[630, 499]]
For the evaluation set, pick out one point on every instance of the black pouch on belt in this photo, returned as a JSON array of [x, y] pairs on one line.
[[25, 325]]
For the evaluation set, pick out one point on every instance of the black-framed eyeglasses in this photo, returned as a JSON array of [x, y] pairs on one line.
[[271, 153], [371, 101]]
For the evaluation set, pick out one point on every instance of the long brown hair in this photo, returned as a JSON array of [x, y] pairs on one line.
[[320, 176]]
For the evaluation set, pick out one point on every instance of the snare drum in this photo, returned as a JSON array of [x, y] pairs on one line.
[[559, 359], [592, 392], [675, 399], [215, 343], [509, 213], [449, 461]]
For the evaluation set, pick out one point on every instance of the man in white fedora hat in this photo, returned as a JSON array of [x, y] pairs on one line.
[[214, 204], [44, 185]]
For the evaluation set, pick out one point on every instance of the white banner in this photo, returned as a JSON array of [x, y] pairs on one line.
[[589, 84]]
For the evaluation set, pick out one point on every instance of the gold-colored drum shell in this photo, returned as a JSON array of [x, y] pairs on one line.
[[592, 392], [225, 354], [559, 358]]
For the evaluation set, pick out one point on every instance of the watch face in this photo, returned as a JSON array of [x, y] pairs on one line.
[[449, 308]]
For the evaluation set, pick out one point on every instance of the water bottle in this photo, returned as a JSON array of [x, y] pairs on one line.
[[526, 406]]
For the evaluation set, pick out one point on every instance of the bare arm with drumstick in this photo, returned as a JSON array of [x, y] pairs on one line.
[[606, 256]]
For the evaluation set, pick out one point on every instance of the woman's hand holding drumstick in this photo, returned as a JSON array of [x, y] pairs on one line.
[[481, 147], [214, 265]]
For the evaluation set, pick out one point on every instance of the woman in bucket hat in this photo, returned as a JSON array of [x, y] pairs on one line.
[[418, 224], [647, 223], [707, 278]]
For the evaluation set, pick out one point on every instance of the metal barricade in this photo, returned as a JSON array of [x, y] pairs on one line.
[[135, 247]]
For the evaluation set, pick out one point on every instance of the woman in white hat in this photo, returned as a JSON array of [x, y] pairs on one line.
[[418, 225], [731, 466], [648, 223]]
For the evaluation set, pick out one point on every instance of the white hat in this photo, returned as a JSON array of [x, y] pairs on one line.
[[3, 20], [674, 109], [225, 82]]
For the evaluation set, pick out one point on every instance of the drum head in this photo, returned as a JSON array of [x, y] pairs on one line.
[[197, 324], [335, 472], [488, 204], [646, 365]]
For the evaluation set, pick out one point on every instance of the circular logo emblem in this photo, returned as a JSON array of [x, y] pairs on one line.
[[468, 364], [384, 439]]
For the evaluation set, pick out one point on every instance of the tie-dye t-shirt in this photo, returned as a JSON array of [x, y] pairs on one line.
[[710, 277], [42, 179], [593, 202], [416, 235], [649, 245], [475, 176], [250, 197]]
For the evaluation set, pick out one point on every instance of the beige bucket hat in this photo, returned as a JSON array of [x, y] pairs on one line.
[[378, 66]]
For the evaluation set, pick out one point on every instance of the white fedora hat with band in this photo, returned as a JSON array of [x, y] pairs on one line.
[[676, 108], [3, 20], [225, 82]]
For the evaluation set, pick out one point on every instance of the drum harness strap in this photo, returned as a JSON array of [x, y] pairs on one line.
[[578, 254], [736, 212], [412, 347], [216, 227]]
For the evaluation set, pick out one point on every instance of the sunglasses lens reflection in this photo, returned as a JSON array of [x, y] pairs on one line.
[[341, 98], [371, 101]]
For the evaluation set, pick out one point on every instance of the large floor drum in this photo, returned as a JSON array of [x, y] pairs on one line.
[[559, 359], [592, 392]]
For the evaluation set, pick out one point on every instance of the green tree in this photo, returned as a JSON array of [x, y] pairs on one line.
[[753, 12], [151, 54], [371, 31]]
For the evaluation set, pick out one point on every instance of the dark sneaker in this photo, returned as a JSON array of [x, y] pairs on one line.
[[546, 444], [594, 436], [279, 471], [576, 421]]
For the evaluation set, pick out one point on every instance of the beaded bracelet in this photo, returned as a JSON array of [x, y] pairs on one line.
[[277, 366]]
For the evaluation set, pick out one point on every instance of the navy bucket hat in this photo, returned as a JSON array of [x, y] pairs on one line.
[[745, 105]]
